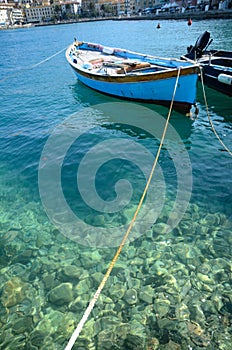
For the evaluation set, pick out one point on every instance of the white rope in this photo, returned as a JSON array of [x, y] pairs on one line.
[[46, 59], [21, 70]]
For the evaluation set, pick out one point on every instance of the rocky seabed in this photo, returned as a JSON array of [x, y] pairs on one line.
[[167, 291]]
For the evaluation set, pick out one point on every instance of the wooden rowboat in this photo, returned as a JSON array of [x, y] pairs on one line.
[[134, 76]]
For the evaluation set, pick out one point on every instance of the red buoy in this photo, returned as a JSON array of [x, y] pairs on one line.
[[190, 22]]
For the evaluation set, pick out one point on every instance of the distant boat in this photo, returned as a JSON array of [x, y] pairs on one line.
[[216, 64], [134, 76]]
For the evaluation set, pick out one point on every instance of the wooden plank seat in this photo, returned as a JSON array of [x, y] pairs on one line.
[[129, 67]]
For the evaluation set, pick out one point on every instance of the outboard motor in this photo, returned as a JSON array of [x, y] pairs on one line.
[[196, 51]]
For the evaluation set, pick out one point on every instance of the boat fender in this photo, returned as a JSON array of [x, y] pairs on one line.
[[196, 112], [225, 79]]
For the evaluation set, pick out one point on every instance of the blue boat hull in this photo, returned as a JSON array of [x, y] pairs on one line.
[[160, 91]]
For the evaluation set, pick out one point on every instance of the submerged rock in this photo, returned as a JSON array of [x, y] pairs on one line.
[[117, 290], [82, 287], [14, 291], [182, 312], [135, 341], [161, 307], [131, 296], [70, 272], [152, 344], [50, 281], [147, 295], [159, 268], [106, 340], [61, 294], [161, 228], [197, 335], [37, 337], [171, 345], [23, 324], [77, 305]]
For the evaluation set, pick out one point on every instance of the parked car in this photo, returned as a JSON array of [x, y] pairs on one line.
[[149, 10], [146, 11], [174, 9], [190, 8]]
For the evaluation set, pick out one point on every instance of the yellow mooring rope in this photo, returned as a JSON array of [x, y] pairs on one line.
[[107, 274], [208, 115]]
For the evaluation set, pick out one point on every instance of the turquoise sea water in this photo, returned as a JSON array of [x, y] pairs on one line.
[[171, 288]]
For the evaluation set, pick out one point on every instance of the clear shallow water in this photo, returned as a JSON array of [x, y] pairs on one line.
[[36, 258]]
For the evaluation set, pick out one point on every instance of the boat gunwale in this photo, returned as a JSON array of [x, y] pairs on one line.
[[134, 78], [131, 76], [117, 49]]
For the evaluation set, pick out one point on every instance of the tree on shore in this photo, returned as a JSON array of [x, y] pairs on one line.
[[57, 12]]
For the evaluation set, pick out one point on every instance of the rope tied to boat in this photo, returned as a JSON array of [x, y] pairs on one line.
[[21, 70], [208, 115], [93, 301]]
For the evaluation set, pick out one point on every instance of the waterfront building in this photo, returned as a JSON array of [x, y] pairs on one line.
[[143, 4], [119, 7], [4, 20], [6, 17], [46, 12], [70, 7], [107, 7], [39, 13], [16, 16]]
